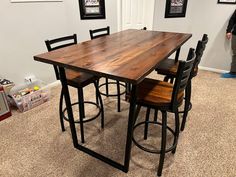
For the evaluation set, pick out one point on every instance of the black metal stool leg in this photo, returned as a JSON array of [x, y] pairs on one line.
[[107, 90], [60, 111], [146, 123], [97, 92], [118, 95], [176, 131], [81, 112], [126, 88], [166, 79], [126, 91], [137, 113], [101, 103], [155, 115], [163, 143], [186, 105]]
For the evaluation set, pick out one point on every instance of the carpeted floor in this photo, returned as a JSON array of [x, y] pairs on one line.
[[32, 144]]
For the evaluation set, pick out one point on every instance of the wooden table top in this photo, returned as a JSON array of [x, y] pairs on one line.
[[128, 55]]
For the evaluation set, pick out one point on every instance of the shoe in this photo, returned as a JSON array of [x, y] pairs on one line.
[[228, 75]]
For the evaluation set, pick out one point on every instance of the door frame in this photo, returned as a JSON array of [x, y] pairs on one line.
[[119, 16]]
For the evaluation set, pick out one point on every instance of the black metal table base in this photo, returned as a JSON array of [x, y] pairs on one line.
[[102, 158], [125, 166]]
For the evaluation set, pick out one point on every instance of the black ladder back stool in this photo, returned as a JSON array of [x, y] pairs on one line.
[[97, 33], [166, 97], [169, 67], [77, 80]]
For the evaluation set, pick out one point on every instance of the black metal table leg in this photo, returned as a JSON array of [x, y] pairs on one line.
[[177, 54], [81, 112], [130, 128], [68, 105], [118, 95]]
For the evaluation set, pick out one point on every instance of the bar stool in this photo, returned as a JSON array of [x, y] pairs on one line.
[[169, 67], [97, 33], [77, 80], [166, 97]]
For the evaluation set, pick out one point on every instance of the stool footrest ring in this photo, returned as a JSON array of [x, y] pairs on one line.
[[86, 120], [149, 150], [104, 94]]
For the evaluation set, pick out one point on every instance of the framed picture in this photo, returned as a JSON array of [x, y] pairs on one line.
[[92, 9], [175, 8], [36, 0], [226, 1]]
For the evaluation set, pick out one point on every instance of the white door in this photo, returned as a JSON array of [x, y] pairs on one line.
[[135, 14]]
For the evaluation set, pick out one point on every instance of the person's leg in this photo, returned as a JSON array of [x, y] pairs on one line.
[[233, 64], [232, 73]]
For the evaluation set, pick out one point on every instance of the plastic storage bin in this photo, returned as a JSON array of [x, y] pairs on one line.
[[33, 98]]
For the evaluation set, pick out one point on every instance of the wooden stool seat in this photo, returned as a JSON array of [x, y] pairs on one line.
[[169, 67], [75, 78], [157, 93]]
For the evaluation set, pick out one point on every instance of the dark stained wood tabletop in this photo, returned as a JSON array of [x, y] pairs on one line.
[[128, 55]]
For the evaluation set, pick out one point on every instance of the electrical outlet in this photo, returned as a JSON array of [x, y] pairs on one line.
[[30, 78]]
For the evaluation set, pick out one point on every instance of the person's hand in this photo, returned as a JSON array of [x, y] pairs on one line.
[[228, 36]]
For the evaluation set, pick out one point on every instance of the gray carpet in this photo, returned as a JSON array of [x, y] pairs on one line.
[[32, 144]]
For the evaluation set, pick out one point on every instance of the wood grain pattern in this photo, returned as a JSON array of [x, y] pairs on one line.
[[128, 56], [157, 93]]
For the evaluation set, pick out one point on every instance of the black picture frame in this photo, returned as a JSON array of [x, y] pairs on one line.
[[92, 9], [175, 8], [226, 2]]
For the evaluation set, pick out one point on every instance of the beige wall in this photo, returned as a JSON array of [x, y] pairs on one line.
[[25, 26], [202, 17]]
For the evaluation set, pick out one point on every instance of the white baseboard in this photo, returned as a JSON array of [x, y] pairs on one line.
[[212, 69], [53, 84]]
